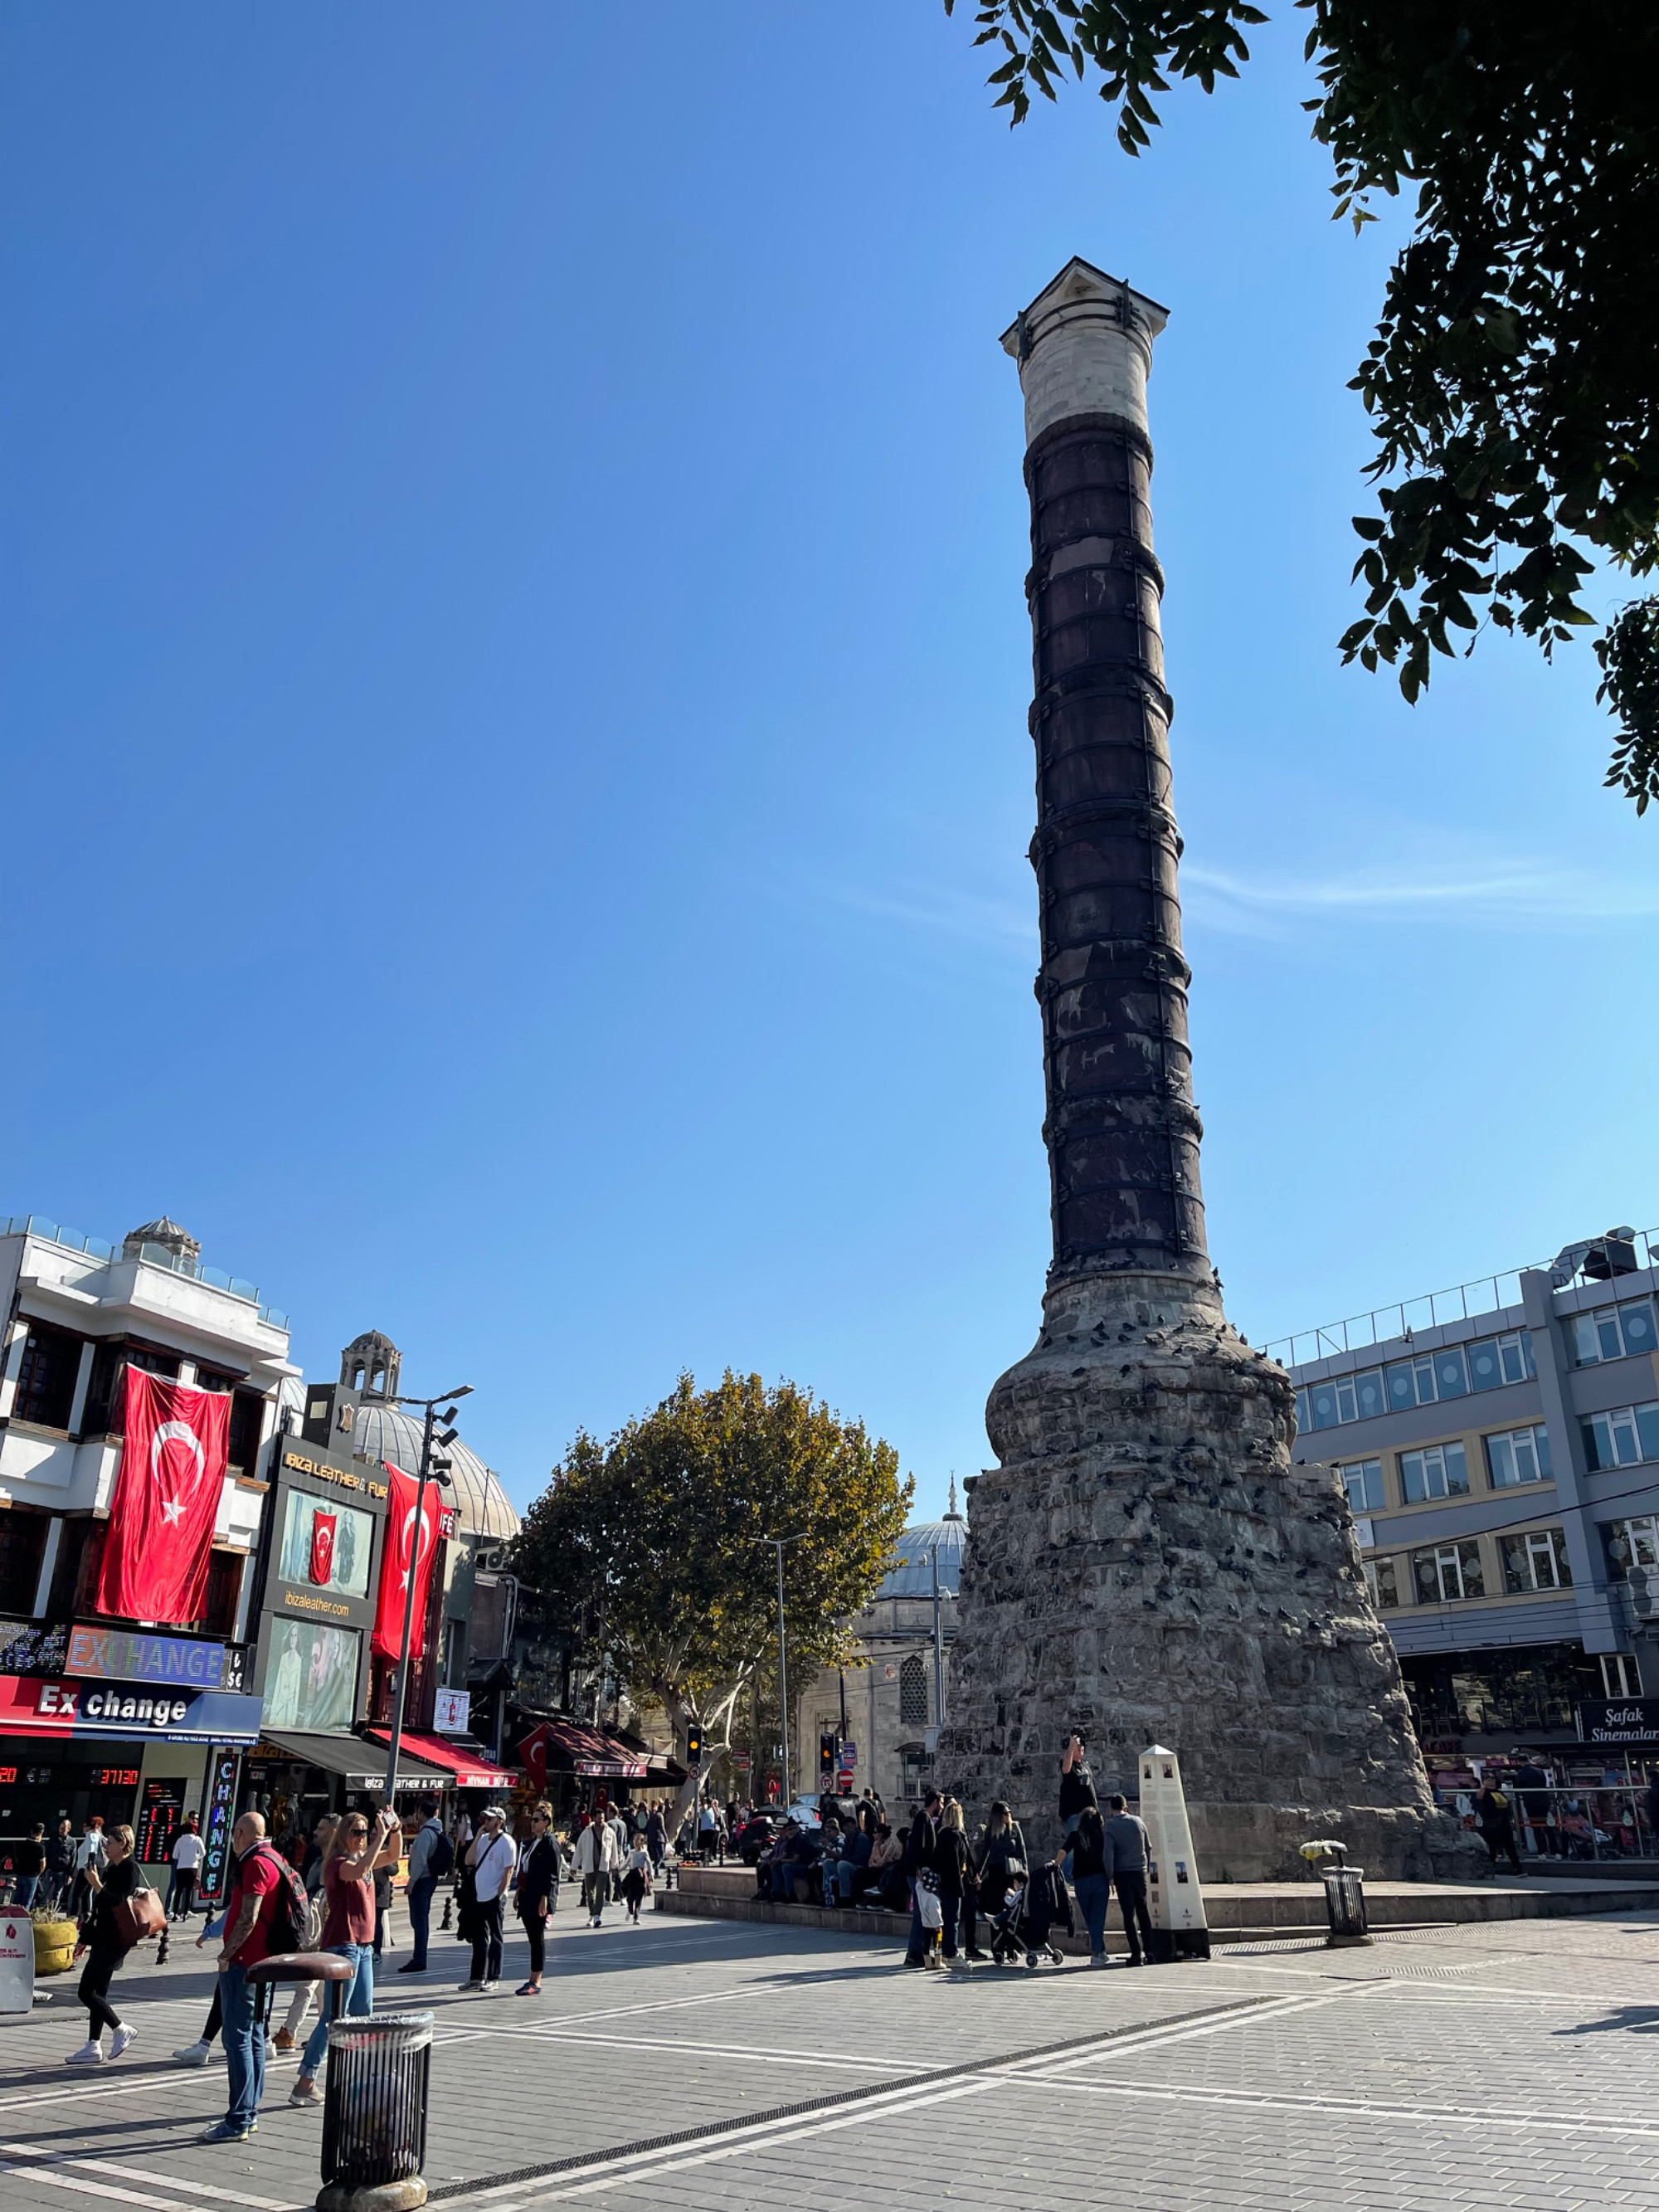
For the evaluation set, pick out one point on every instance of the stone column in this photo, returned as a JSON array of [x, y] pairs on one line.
[[1145, 1564]]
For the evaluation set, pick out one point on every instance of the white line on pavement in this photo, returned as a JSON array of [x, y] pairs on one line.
[[1357, 2107], [45, 2164]]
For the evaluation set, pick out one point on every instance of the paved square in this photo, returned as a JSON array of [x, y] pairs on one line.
[[707, 2063]]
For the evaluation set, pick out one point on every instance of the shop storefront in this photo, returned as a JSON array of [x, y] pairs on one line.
[[294, 1778], [574, 1766], [127, 1750]]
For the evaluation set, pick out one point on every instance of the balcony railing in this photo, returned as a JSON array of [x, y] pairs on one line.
[[153, 1255], [1487, 1294]]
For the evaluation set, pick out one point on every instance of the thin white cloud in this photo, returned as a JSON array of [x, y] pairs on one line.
[[1509, 894]]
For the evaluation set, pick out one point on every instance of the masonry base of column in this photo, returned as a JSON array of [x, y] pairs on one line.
[[1146, 1564]]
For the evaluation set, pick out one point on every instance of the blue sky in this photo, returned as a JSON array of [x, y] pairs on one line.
[[515, 667]]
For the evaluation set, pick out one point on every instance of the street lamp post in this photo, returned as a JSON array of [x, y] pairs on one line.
[[777, 1544], [430, 1473]]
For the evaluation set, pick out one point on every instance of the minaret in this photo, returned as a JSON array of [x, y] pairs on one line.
[[1145, 1564]]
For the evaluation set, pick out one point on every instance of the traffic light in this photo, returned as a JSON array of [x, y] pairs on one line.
[[829, 1749], [693, 1745]]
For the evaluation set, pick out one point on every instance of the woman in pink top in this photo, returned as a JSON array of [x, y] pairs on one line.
[[353, 1854]]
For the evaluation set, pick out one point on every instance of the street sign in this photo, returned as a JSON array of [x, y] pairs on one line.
[[16, 1962]]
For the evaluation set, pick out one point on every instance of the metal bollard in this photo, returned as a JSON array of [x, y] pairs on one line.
[[375, 2108]]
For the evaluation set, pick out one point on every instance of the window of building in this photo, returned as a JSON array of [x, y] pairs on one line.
[[23, 1547], [107, 1391], [915, 1773], [1611, 1333], [1363, 1480], [1620, 1675], [247, 1414], [1382, 1579], [1622, 1437], [1633, 1543], [1429, 1377], [913, 1692], [1517, 1456], [1347, 1398], [223, 1589], [1536, 1559], [1496, 1360], [1448, 1574], [1441, 1471], [46, 1379]]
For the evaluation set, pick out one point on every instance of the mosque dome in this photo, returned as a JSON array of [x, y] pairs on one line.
[[386, 1432], [911, 1573]]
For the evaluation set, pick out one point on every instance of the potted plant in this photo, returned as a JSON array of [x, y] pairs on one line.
[[54, 1940]]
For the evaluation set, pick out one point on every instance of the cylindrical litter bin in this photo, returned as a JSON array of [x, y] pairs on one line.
[[374, 2106], [1344, 1904]]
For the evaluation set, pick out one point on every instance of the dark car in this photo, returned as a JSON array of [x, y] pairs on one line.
[[754, 1837]]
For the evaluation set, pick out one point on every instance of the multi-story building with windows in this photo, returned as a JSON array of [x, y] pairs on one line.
[[1500, 1445]]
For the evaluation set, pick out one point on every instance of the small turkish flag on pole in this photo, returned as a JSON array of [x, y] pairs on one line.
[[173, 1453], [322, 1547]]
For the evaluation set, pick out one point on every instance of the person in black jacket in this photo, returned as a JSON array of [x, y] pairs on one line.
[[1077, 1784], [999, 1858], [921, 1850], [538, 1892], [953, 1863], [60, 1867], [1091, 1877], [105, 1947]]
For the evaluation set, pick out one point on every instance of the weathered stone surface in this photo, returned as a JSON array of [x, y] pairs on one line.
[[1146, 1563]]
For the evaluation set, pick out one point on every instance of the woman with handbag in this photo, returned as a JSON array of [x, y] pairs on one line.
[[998, 1859], [538, 1892], [114, 1924]]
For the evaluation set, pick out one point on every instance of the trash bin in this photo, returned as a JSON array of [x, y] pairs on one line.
[[374, 2103], [1344, 1904]]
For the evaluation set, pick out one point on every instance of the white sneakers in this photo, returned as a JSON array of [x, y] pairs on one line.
[[91, 2053], [193, 2054], [123, 2039], [490, 1988]]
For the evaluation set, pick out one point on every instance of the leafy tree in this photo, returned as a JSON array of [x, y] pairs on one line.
[[654, 1534], [1513, 384]]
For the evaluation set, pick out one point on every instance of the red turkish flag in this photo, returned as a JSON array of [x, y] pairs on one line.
[[401, 1550], [165, 1502], [322, 1547]]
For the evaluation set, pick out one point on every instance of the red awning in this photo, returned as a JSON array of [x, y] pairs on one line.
[[571, 1747], [468, 1769]]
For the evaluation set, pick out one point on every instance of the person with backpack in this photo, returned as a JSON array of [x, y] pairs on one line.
[[355, 1853], [431, 1859], [265, 1914]]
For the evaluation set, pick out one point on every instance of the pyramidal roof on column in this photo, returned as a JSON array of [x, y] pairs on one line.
[[1079, 281]]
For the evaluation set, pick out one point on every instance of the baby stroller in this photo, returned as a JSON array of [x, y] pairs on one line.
[[1021, 1925]]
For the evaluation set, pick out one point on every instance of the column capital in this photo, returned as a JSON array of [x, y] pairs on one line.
[[1084, 346]]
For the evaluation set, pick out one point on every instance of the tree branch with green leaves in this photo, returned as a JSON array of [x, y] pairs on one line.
[[1513, 383]]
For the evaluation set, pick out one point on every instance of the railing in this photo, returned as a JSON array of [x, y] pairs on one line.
[[153, 1255], [1487, 1294]]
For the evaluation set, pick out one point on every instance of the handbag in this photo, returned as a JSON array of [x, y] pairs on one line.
[[930, 1909], [139, 1917]]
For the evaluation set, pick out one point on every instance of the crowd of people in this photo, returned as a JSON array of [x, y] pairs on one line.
[[954, 1887]]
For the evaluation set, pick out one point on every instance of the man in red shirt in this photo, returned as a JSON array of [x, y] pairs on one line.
[[249, 1913]]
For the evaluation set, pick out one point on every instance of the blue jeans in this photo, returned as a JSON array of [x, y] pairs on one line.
[[244, 2036], [837, 1879], [355, 1998], [1093, 1894], [27, 1886], [420, 1914]]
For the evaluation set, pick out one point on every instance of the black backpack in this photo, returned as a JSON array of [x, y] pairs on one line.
[[290, 1919], [440, 1859]]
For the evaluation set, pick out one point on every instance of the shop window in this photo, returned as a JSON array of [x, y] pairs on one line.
[[1535, 1560], [1518, 1455], [23, 1547], [1382, 1579], [1363, 1480], [1621, 1437], [46, 1379], [913, 1694], [1441, 1471], [1611, 1333], [1448, 1574], [1621, 1677]]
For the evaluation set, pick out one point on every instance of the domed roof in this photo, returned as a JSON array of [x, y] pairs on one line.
[[911, 1574], [388, 1432]]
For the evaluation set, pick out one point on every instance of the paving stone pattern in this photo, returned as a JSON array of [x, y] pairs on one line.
[[1511, 2065]]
